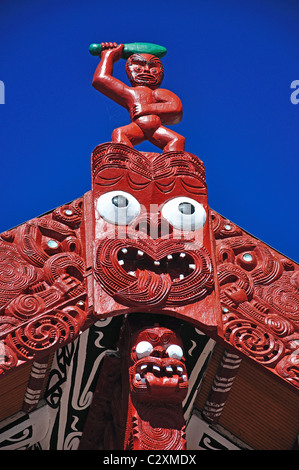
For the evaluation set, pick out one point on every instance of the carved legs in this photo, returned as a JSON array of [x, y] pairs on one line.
[[134, 134]]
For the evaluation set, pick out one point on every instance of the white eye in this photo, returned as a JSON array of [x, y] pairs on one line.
[[118, 207], [175, 351], [184, 213], [143, 349]]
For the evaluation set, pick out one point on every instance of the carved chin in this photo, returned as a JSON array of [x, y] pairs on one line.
[[159, 380], [153, 272]]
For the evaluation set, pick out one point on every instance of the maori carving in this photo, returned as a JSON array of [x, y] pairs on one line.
[[260, 301], [152, 234], [154, 367], [149, 106], [222, 384], [42, 287], [35, 384]]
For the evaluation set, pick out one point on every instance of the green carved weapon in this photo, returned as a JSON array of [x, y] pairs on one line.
[[133, 48]]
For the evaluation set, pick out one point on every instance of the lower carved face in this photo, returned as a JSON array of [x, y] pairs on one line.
[[157, 371], [144, 271]]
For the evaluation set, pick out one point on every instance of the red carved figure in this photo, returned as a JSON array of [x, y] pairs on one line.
[[149, 106], [153, 365], [152, 234], [157, 371]]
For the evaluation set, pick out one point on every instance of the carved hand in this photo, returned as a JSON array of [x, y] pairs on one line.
[[236, 294], [137, 111], [112, 49]]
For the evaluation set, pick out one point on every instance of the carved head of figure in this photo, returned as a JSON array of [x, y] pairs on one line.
[[157, 369], [145, 70], [152, 234]]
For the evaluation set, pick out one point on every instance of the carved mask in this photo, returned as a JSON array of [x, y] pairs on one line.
[[152, 244], [157, 370]]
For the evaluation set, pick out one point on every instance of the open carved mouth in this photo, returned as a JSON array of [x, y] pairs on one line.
[[177, 265], [153, 375], [148, 372], [153, 272]]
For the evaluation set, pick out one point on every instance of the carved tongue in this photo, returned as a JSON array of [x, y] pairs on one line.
[[155, 384], [149, 288]]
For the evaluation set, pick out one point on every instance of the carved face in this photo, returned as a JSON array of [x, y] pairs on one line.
[[145, 70], [152, 243], [157, 370]]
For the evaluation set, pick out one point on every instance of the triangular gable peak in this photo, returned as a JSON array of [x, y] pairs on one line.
[[45, 269]]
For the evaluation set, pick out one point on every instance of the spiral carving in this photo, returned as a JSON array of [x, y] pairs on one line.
[[253, 340], [15, 274], [47, 332], [280, 326], [282, 297], [26, 306]]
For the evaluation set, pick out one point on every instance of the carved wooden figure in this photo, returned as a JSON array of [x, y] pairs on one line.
[[149, 106], [152, 239], [152, 243], [153, 252], [143, 243], [153, 368]]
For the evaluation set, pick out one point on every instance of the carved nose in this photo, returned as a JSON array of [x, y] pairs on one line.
[[160, 228], [159, 351], [154, 226]]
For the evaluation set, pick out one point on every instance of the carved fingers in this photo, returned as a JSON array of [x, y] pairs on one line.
[[136, 111], [115, 50]]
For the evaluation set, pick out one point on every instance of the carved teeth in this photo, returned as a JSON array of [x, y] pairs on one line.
[[132, 273], [180, 369], [157, 263], [182, 255], [140, 253], [143, 367], [169, 256], [182, 276], [169, 369], [184, 378], [121, 262], [156, 369], [124, 251], [137, 377], [192, 266]]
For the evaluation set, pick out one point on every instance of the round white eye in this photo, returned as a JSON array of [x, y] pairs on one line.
[[143, 349], [118, 207], [184, 213], [175, 351]]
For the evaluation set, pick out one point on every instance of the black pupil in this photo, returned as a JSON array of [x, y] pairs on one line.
[[120, 201], [186, 208]]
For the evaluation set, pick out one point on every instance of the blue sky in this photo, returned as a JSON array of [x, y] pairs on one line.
[[231, 63]]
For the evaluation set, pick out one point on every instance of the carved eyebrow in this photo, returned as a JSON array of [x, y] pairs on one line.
[[138, 59], [155, 61]]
